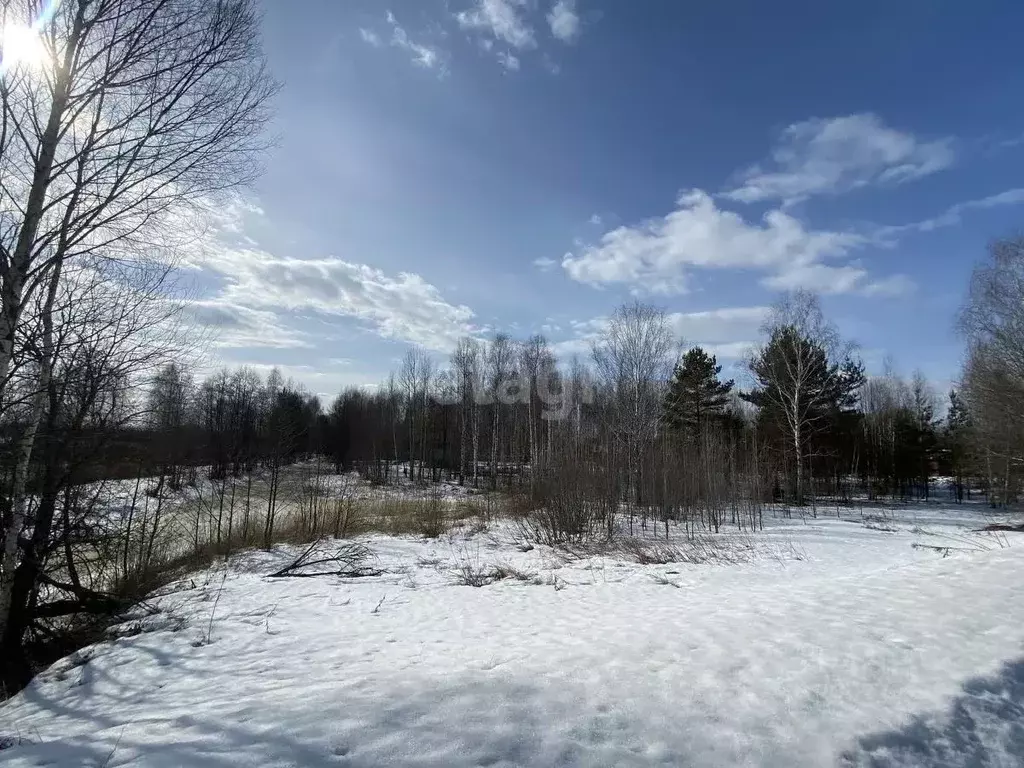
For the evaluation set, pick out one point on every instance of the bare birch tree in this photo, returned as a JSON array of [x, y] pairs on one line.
[[633, 360], [466, 364], [133, 113], [101, 333], [500, 356]]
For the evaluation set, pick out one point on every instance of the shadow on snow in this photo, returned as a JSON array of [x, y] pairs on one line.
[[983, 727]]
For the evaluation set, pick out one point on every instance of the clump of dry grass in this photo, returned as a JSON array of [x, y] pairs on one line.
[[694, 549], [430, 518], [468, 574], [501, 571]]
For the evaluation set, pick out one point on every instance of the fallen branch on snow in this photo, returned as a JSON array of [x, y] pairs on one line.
[[348, 560], [1004, 527]]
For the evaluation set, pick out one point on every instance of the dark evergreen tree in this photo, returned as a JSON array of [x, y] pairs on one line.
[[925, 430], [696, 397], [956, 443], [801, 394]]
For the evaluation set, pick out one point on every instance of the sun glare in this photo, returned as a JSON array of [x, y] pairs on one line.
[[20, 45]]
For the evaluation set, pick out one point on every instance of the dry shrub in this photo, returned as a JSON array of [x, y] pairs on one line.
[[433, 520], [430, 517], [470, 574], [501, 571], [519, 506], [573, 502], [699, 549], [647, 552]]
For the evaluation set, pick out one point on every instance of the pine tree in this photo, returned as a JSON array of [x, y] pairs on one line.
[[956, 438], [696, 397], [925, 427], [800, 391]]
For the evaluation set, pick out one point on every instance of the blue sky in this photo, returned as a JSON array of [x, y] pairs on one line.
[[449, 167]]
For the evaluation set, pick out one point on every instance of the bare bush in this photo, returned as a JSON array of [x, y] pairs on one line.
[[697, 550], [573, 501], [469, 572]]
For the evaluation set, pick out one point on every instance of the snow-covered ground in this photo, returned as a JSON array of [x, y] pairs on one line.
[[829, 642]]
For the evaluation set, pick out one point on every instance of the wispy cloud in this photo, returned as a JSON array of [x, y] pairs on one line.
[[503, 20], [837, 279], [508, 60], [953, 216], [840, 154], [404, 307], [509, 28], [370, 37], [422, 55], [261, 291], [234, 326], [564, 21]]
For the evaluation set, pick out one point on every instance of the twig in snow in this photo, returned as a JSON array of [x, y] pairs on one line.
[[660, 578], [117, 743], [209, 629], [944, 551]]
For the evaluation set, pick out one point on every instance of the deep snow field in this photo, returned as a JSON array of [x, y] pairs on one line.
[[821, 642]]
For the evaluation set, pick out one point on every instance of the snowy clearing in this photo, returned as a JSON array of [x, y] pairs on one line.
[[831, 642]]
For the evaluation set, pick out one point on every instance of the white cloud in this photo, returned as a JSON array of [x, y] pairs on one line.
[[502, 19], [545, 264], [260, 287], [658, 255], [370, 37], [422, 55], [826, 279], [894, 285], [733, 350], [831, 156], [584, 334], [404, 307], [323, 380], [509, 61], [727, 332], [727, 325], [563, 20], [1016, 141]]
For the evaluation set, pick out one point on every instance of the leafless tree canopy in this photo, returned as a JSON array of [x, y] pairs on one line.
[[992, 321], [143, 109]]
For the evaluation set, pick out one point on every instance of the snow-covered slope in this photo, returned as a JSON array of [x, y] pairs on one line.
[[839, 644]]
